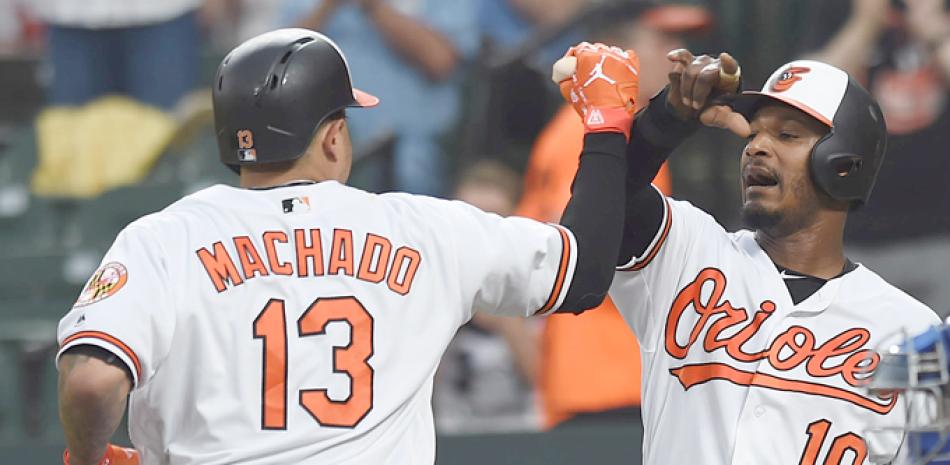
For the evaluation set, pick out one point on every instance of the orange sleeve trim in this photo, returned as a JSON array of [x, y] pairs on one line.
[[111, 340], [561, 272], [640, 264]]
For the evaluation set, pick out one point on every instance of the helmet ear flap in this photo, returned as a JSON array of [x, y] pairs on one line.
[[824, 178], [840, 175], [845, 162], [845, 165]]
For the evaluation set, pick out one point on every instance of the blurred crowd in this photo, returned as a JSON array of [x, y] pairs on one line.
[[468, 112]]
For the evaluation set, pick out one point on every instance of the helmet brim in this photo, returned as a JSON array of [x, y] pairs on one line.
[[750, 101], [364, 99]]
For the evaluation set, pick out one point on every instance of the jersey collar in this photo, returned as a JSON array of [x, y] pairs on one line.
[[300, 182]]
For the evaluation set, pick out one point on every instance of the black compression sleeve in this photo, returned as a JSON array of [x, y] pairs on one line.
[[656, 132], [595, 216]]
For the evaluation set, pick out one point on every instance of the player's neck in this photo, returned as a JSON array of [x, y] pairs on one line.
[[816, 249], [278, 176]]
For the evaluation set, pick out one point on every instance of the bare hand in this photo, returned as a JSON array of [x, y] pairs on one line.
[[870, 12], [697, 82], [926, 20]]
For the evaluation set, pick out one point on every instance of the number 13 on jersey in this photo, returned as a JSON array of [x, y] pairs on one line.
[[271, 327]]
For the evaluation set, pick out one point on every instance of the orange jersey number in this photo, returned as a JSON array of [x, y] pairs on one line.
[[271, 326], [849, 442]]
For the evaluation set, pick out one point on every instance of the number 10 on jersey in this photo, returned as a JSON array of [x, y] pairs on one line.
[[271, 327]]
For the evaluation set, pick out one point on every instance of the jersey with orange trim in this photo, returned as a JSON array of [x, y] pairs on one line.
[[746, 374], [303, 324]]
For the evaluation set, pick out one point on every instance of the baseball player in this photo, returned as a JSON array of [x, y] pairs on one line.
[[756, 344], [299, 320]]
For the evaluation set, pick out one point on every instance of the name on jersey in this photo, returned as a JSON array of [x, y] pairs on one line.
[[305, 256], [728, 329]]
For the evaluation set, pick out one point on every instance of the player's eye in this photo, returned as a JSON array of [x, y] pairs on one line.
[[751, 136], [784, 135]]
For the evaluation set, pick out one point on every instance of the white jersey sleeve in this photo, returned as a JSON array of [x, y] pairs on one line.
[[125, 307], [642, 287], [512, 266]]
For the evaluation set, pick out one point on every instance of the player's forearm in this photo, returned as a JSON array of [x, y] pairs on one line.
[[595, 216], [318, 17], [942, 57], [92, 399], [656, 133], [850, 49], [547, 12], [424, 47]]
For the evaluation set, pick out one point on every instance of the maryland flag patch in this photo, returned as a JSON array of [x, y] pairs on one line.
[[106, 281]]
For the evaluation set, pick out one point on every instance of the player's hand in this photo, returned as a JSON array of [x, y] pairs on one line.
[[603, 86], [698, 85], [872, 13], [927, 21], [114, 455]]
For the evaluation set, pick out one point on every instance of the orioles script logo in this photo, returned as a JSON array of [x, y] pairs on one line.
[[795, 347]]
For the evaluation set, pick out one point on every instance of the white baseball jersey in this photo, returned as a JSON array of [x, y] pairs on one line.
[[303, 324], [736, 373]]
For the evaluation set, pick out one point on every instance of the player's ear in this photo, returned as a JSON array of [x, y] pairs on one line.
[[334, 133]]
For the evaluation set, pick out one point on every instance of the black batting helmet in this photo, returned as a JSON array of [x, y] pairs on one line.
[[845, 162], [273, 91]]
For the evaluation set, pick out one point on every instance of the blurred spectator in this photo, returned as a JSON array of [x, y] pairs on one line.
[[144, 49], [10, 28], [590, 364], [509, 23], [234, 21], [9, 22], [512, 93], [486, 378], [901, 51], [408, 52], [19, 31]]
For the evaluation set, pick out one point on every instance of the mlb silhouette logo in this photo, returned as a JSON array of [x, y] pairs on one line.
[[247, 155], [296, 205]]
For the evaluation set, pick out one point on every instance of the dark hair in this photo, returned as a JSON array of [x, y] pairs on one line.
[[336, 115]]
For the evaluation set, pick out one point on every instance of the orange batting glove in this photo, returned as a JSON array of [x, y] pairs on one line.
[[114, 455], [603, 89]]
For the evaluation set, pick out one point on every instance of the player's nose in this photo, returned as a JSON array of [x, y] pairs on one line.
[[757, 145]]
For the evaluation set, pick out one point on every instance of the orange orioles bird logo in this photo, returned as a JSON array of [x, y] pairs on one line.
[[789, 77]]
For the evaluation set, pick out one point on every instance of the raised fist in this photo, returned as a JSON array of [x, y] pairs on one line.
[[698, 86], [602, 86]]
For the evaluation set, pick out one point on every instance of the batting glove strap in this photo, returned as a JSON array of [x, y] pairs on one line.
[[114, 455], [616, 120]]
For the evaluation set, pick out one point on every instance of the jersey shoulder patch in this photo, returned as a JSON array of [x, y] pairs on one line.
[[105, 282]]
